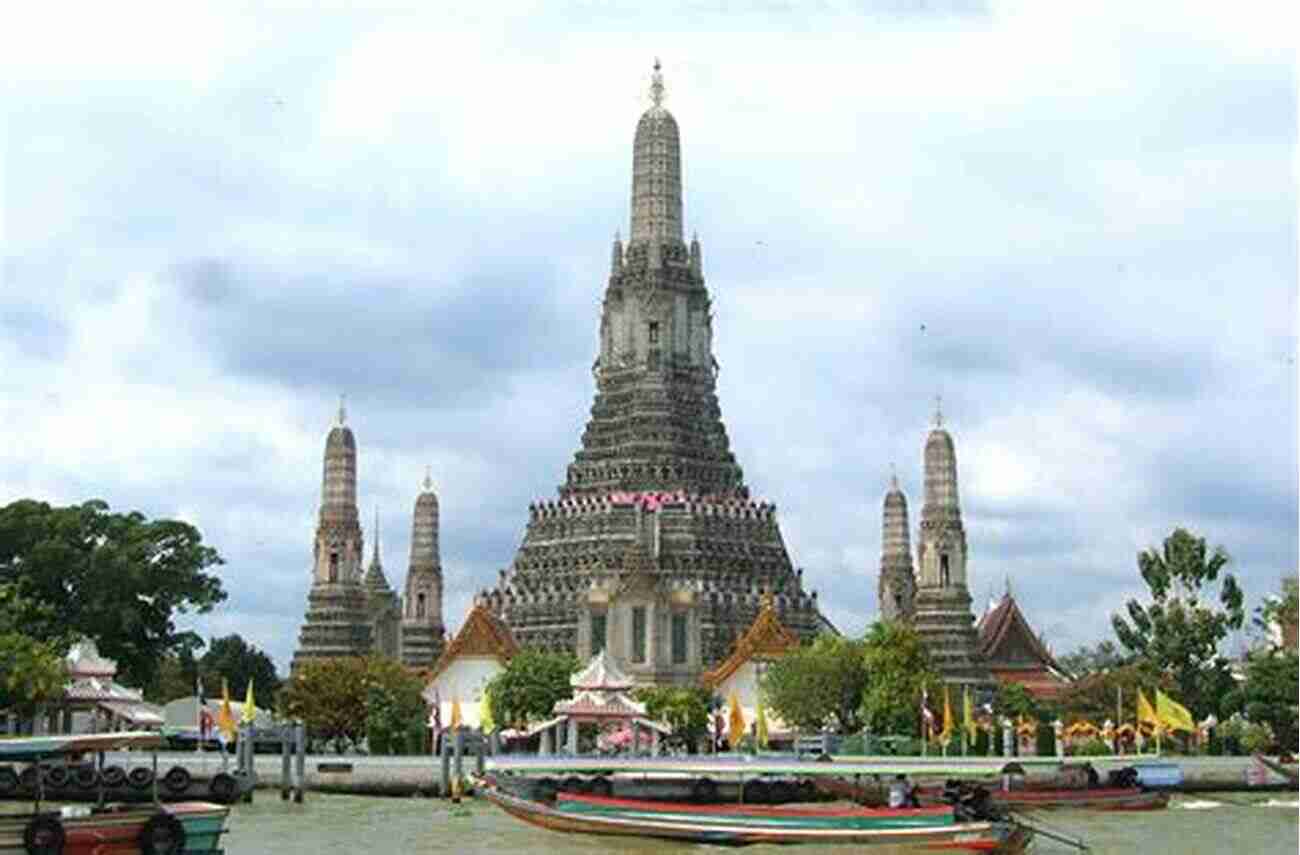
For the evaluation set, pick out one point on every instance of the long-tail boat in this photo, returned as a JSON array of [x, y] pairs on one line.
[[549, 792], [886, 830], [147, 829], [1291, 774]]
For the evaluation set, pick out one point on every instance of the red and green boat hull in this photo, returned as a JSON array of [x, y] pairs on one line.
[[886, 831]]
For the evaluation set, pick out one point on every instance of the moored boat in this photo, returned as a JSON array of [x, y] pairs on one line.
[[1291, 774], [147, 829], [887, 831]]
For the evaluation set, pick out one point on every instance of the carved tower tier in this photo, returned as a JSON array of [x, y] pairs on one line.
[[422, 626], [896, 589], [654, 550], [943, 615], [337, 622]]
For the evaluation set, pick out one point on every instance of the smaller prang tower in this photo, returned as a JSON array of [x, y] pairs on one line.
[[382, 604], [337, 623], [422, 626], [896, 590], [943, 615]]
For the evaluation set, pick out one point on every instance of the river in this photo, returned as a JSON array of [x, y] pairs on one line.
[[1203, 824]]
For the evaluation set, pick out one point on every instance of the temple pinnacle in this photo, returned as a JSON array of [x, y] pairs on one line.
[[428, 478], [343, 409], [376, 559], [938, 411], [893, 477], [657, 85]]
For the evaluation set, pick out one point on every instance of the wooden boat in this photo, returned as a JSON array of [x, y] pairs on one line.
[[887, 831], [1292, 774], [1098, 798], [147, 829]]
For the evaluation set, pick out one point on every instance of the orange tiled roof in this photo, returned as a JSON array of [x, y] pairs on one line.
[[767, 638], [482, 634]]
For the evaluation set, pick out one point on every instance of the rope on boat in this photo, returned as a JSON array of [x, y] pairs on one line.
[[1050, 834]]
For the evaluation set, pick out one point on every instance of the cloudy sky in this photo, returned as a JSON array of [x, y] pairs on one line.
[[1079, 229]]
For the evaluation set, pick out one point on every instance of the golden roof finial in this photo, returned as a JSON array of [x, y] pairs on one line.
[[768, 601]]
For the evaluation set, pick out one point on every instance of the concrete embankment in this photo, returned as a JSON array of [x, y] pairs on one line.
[[407, 776]]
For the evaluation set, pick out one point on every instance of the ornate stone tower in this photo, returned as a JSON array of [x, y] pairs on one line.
[[382, 604], [422, 626], [943, 615], [654, 550], [897, 586], [337, 623]]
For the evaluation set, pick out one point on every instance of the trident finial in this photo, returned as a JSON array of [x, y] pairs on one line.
[[428, 477], [657, 85], [938, 410], [343, 409], [376, 532], [893, 477]]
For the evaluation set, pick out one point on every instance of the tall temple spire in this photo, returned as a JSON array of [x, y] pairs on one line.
[[656, 173], [943, 615], [422, 627], [897, 585], [343, 409], [336, 622], [654, 476]]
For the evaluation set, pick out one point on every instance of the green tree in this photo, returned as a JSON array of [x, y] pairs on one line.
[[530, 686], [684, 709], [1091, 660], [118, 578], [819, 684], [1178, 633], [1280, 611], [1269, 693], [31, 671], [897, 666], [1106, 694], [1013, 700], [330, 696], [395, 710], [238, 662]]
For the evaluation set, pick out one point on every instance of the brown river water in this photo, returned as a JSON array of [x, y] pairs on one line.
[[1201, 824]]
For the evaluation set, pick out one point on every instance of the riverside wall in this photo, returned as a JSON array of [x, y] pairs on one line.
[[408, 776]]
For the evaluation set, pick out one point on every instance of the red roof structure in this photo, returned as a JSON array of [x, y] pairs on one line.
[[1014, 652]]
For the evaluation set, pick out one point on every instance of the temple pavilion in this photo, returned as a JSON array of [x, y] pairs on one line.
[[600, 698]]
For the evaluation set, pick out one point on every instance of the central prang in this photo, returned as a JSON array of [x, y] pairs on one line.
[[654, 551]]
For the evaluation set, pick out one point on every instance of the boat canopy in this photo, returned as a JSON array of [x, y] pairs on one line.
[[26, 749]]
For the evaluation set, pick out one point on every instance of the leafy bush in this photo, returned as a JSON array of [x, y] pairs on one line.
[[1092, 748]]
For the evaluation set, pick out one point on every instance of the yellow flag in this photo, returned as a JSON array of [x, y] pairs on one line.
[[735, 723], [760, 726], [250, 710], [1173, 715], [969, 713], [485, 721], [946, 733], [1145, 714], [226, 716], [455, 712]]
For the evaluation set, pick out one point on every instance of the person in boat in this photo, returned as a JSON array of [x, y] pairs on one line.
[[902, 794]]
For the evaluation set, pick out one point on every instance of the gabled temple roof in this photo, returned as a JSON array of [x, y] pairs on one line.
[[616, 705], [601, 675], [482, 634], [767, 638], [1003, 631]]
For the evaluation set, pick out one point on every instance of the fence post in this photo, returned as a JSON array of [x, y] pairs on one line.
[[286, 761], [300, 747]]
